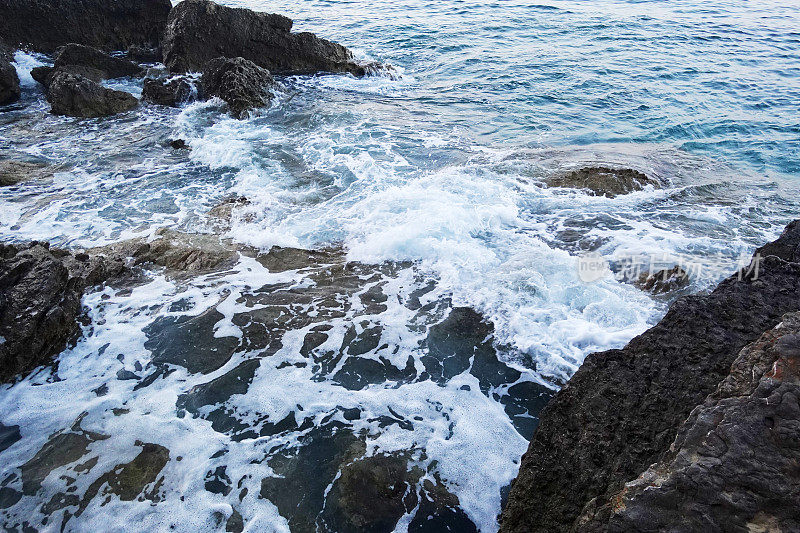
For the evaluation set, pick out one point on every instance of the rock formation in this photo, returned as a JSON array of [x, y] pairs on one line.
[[9, 81], [45, 25], [40, 301], [200, 30], [604, 181], [78, 96], [622, 409], [168, 91], [242, 84]]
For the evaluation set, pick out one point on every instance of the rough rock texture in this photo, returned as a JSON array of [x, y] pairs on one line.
[[663, 281], [169, 92], [734, 463], [200, 30], [9, 81], [86, 56], [144, 54], [45, 75], [44, 25], [77, 96], [40, 294], [242, 84], [14, 171], [620, 411], [604, 181]]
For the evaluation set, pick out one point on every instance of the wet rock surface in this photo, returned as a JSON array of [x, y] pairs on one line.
[[242, 84], [733, 464], [45, 25], [604, 181], [200, 30], [9, 81], [40, 295], [620, 412], [86, 56], [168, 92], [77, 96], [663, 281], [13, 171]]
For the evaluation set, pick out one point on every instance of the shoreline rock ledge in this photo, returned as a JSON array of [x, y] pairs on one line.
[[693, 426], [200, 30]]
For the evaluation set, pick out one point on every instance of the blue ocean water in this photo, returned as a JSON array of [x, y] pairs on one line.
[[438, 171]]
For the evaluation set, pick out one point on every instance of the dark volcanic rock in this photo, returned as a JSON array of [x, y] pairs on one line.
[[44, 25], [78, 96], [40, 301], [45, 75], [169, 92], [144, 54], [242, 84], [86, 56], [200, 30], [733, 464], [9, 81], [620, 411], [604, 181]]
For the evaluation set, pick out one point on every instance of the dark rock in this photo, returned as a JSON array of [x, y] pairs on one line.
[[604, 181], [9, 81], [178, 144], [169, 92], [44, 25], [40, 294], [144, 54], [77, 96], [86, 56], [621, 410], [8, 436], [242, 84], [371, 494], [45, 75], [733, 464], [200, 30], [663, 281]]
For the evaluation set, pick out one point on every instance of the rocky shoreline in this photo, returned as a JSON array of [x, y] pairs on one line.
[[686, 428]]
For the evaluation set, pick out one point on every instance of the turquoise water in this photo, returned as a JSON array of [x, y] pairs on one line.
[[433, 181]]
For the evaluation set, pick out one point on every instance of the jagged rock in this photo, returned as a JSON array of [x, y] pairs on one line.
[[604, 181], [77, 96], [9, 81], [40, 295], [86, 56], [44, 25], [200, 30], [733, 464], [242, 84], [169, 92], [13, 172], [663, 281], [620, 411], [44, 75]]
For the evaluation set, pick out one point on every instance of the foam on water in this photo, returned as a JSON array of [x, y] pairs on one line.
[[431, 181]]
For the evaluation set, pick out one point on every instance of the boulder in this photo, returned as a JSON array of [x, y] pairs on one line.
[[9, 81], [622, 409], [86, 56], [44, 75], [242, 84], [40, 301], [733, 463], [663, 281], [604, 181], [16, 171], [200, 30], [144, 54], [45, 25], [77, 96], [169, 92]]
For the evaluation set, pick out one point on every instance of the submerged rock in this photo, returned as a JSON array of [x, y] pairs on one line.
[[9, 81], [170, 92], [77, 96], [663, 281], [733, 463], [44, 25], [40, 302], [242, 84], [14, 171], [604, 181], [621, 410], [200, 30]]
